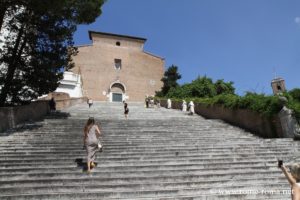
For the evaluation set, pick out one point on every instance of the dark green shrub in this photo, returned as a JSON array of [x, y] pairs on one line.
[[223, 87], [201, 87], [295, 93], [228, 100], [295, 106], [203, 90], [260, 103]]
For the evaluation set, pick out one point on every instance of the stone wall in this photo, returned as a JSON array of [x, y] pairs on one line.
[[11, 116], [64, 103], [246, 119], [57, 96]]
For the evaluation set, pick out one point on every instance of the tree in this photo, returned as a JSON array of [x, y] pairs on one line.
[[8, 7], [201, 87], [295, 93], [223, 87], [40, 43], [170, 80]]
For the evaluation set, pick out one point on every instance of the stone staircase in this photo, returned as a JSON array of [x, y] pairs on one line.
[[155, 154]]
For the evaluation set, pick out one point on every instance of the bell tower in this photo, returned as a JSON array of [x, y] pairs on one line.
[[278, 85]]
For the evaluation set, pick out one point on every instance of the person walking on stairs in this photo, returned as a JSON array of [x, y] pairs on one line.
[[191, 108], [90, 102], [293, 178], [91, 141], [126, 110], [184, 107]]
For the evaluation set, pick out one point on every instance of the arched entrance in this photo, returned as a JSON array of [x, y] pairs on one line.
[[117, 92]]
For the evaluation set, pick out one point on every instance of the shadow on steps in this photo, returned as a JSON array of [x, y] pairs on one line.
[[82, 164], [58, 115], [27, 126]]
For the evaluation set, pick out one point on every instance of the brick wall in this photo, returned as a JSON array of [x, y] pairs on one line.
[[140, 73]]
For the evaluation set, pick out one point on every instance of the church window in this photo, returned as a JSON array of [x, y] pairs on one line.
[[118, 43], [118, 64]]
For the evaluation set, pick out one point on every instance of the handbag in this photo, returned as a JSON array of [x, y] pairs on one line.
[[100, 146]]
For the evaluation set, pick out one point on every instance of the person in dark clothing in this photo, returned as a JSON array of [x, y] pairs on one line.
[[147, 102], [126, 110], [52, 104], [90, 102]]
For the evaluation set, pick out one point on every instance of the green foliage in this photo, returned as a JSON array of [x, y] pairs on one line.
[[295, 93], [203, 90], [260, 103], [170, 80], [223, 87], [40, 43], [266, 105], [295, 106], [228, 100], [201, 87], [294, 102]]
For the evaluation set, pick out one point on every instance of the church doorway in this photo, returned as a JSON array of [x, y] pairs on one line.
[[117, 97], [117, 92]]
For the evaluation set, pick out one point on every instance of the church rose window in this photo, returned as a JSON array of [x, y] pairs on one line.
[[118, 64]]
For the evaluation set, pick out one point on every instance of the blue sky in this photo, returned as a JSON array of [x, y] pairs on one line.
[[244, 41]]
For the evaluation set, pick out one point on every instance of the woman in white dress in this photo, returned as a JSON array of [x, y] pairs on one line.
[[169, 104], [184, 106], [191, 108]]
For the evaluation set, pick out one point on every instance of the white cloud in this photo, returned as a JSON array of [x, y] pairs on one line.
[[297, 20]]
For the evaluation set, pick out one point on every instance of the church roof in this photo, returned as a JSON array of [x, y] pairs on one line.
[[116, 35], [277, 79]]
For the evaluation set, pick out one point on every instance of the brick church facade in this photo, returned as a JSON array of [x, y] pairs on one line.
[[115, 68]]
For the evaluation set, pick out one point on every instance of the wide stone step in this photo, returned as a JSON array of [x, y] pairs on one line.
[[146, 169], [135, 171], [94, 187], [93, 193], [220, 182], [141, 166], [204, 174], [136, 162], [146, 155]]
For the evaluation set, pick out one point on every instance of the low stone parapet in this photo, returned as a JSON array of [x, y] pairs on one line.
[[266, 127], [36, 110], [64, 103], [12, 116]]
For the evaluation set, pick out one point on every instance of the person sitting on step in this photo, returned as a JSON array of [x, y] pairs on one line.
[[91, 140], [293, 178]]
